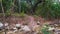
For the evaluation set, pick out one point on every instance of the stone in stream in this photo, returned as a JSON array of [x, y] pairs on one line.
[[57, 31], [1, 24]]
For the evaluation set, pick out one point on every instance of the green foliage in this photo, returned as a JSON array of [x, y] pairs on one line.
[[22, 14], [19, 15], [0, 14], [46, 9], [8, 13], [7, 4], [49, 10]]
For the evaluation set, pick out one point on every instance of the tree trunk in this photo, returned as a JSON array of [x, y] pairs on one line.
[[3, 12]]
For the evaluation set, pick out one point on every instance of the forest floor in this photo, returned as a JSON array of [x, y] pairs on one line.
[[22, 19], [31, 20]]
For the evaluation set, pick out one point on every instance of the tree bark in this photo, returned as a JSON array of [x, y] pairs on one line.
[[3, 12]]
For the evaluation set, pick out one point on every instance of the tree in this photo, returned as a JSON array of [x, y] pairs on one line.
[[3, 11]]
